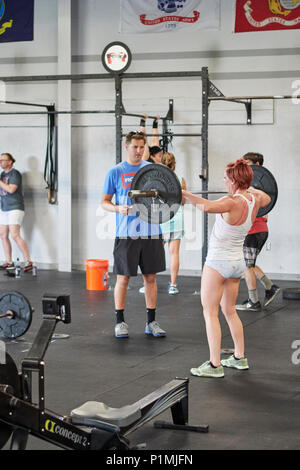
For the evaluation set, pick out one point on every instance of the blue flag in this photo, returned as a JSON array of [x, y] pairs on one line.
[[16, 20]]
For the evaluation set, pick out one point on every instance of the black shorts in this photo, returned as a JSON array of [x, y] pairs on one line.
[[147, 253], [252, 247]]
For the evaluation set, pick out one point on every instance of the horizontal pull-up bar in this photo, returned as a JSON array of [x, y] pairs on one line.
[[249, 98], [56, 112], [26, 104], [100, 76], [144, 117], [169, 134]]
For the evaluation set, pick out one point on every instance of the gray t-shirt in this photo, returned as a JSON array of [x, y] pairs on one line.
[[10, 202]]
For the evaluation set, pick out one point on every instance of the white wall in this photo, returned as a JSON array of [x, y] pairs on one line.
[[239, 64], [25, 136]]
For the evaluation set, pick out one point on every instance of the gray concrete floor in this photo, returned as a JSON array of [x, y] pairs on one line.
[[256, 409]]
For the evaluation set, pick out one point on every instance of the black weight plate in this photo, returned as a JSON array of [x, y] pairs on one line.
[[164, 180], [265, 181], [8, 376], [291, 293], [17, 326]]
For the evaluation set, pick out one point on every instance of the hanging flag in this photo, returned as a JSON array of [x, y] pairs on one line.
[[16, 20], [266, 15], [164, 16]]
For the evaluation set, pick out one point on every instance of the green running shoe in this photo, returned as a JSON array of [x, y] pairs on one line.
[[206, 370], [241, 364]]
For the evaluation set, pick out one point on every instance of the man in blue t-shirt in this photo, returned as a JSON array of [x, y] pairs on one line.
[[137, 242]]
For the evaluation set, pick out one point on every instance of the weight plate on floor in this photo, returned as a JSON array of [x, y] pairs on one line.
[[20, 306], [159, 209], [227, 351], [291, 293]]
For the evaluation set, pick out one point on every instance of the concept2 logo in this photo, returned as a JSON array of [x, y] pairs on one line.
[[54, 428]]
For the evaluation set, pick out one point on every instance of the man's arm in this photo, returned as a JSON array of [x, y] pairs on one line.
[[146, 153], [154, 140], [9, 188], [108, 205]]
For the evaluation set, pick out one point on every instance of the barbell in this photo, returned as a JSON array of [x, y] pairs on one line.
[[15, 314], [156, 192]]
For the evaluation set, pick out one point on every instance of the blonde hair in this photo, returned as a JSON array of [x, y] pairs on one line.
[[168, 159]]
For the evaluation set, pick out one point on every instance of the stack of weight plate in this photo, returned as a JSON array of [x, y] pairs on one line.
[[291, 293]]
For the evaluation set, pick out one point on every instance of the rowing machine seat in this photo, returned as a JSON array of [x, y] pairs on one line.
[[92, 413]]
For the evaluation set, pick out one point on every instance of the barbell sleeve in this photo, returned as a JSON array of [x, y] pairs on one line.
[[8, 314], [139, 193]]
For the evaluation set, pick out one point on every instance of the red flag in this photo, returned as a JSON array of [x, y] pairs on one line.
[[266, 15]]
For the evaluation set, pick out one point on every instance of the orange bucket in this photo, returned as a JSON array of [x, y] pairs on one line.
[[96, 274]]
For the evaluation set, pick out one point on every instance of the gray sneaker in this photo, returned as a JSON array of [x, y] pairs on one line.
[[142, 290], [154, 329], [121, 330], [249, 306], [173, 290], [206, 370], [241, 364]]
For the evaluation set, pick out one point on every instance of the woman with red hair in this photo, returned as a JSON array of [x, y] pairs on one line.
[[225, 263]]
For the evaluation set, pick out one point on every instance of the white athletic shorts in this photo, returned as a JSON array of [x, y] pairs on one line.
[[14, 217], [227, 268]]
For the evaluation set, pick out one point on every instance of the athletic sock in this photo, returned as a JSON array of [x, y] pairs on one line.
[[119, 315], [151, 314], [266, 282], [214, 367], [237, 358], [253, 295]]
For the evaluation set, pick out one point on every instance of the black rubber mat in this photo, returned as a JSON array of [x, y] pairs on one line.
[[254, 409]]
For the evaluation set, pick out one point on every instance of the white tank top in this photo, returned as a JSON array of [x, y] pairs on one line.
[[226, 240]]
